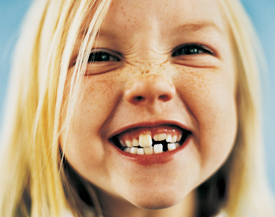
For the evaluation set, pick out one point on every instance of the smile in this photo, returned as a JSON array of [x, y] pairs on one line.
[[151, 141]]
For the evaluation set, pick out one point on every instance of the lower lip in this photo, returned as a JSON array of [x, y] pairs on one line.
[[148, 160]]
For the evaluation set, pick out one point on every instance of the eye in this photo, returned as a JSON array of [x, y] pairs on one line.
[[103, 56], [191, 49], [102, 60]]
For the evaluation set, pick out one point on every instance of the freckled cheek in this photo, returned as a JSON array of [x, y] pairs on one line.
[[205, 95], [212, 103], [99, 99]]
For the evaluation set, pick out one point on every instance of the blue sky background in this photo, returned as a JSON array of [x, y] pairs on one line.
[[262, 13]]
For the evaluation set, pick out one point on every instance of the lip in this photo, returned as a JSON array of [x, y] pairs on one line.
[[147, 160], [149, 124]]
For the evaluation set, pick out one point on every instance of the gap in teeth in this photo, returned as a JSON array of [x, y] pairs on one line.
[[146, 145], [155, 149], [151, 141], [146, 140]]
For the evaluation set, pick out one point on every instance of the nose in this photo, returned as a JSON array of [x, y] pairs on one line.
[[149, 89]]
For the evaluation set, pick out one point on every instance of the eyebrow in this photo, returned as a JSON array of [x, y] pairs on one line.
[[106, 33], [199, 26]]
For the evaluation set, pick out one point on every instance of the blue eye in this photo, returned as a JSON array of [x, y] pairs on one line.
[[191, 49], [102, 56]]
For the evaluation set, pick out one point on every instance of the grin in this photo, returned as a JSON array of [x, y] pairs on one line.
[[148, 141]]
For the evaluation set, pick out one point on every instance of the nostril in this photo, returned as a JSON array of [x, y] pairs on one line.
[[149, 89], [139, 98], [164, 98]]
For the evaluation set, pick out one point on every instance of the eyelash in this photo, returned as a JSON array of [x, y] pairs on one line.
[[102, 56], [191, 49], [187, 49]]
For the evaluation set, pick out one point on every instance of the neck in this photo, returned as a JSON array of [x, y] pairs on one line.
[[117, 207]]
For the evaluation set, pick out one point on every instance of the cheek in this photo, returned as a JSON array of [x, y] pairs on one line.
[[99, 96], [211, 100], [96, 101]]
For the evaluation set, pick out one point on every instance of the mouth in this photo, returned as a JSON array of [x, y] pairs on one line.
[[151, 140]]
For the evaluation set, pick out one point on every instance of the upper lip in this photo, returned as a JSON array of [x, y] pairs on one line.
[[149, 124]]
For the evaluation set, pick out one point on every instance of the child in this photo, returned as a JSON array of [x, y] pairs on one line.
[[134, 108]]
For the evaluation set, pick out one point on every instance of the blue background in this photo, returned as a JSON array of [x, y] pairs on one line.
[[262, 13]]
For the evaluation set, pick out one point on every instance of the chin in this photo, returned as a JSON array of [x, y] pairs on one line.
[[156, 200], [157, 205]]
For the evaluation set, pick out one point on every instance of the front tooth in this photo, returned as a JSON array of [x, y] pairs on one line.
[[145, 140], [172, 146], [160, 137], [133, 150], [148, 150], [168, 138], [140, 151], [158, 148], [135, 142], [129, 143]]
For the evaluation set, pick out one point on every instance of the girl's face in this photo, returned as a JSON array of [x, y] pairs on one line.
[[163, 79]]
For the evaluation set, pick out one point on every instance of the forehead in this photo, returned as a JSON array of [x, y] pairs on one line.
[[162, 16]]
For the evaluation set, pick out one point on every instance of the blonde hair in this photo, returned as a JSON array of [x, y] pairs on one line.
[[240, 185], [33, 179]]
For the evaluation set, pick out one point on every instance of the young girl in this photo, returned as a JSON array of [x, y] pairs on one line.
[[134, 108]]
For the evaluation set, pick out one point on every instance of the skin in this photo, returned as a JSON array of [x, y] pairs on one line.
[[196, 90]]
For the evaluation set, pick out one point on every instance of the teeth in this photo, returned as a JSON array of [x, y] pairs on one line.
[[148, 150], [158, 148], [129, 143], [122, 143], [160, 137], [179, 138], [174, 139], [133, 150], [168, 138], [172, 146], [140, 151], [145, 140], [146, 144], [127, 150], [135, 142]]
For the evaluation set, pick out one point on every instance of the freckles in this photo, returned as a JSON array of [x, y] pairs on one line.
[[193, 83], [209, 97], [207, 94], [210, 83], [121, 15], [157, 68], [94, 100], [98, 87]]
